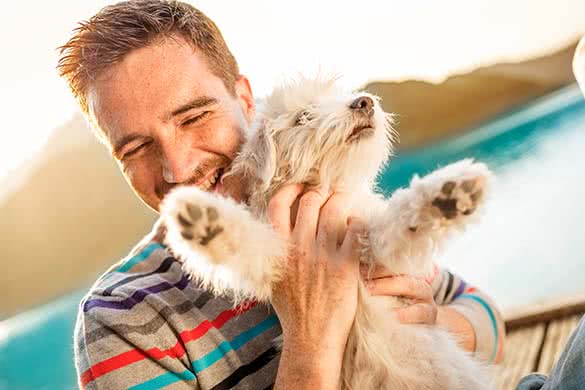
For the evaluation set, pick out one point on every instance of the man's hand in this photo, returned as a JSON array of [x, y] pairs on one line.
[[423, 309], [316, 300]]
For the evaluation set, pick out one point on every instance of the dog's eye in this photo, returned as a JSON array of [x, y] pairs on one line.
[[303, 117]]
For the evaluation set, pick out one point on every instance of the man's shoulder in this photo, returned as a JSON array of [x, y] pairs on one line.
[[148, 279], [150, 284], [145, 312]]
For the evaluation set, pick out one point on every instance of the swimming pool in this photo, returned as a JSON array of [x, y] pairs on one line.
[[529, 246]]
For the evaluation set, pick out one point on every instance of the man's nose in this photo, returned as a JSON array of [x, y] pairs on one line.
[[363, 104], [176, 165]]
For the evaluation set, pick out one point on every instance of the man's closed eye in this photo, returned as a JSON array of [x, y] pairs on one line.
[[196, 119], [135, 150]]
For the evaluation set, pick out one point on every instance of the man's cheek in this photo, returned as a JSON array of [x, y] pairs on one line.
[[146, 183], [131, 175]]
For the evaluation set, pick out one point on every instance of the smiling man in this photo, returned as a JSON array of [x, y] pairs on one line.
[[161, 136], [164, 94]]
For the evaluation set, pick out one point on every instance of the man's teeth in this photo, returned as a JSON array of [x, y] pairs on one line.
[[207, 184]]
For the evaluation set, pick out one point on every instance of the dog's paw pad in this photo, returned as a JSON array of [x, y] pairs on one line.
[[187, 235], [448, 187], [468, 185], [210, 233], [184, 221], [212, 214], [459, 198], [447, 207], [200, 225], [194, 211]]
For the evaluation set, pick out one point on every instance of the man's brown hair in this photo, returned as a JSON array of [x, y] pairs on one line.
[[118, 29]]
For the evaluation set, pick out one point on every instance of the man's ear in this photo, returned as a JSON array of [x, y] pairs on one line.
[[246, 98], [257, 159]]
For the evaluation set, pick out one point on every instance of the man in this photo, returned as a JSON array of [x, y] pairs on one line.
[[163, 92]]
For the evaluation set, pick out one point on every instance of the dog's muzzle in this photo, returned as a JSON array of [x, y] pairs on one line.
[[364, 105], [363, 108]]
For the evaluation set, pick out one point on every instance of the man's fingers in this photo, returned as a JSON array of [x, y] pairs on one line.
[[332, 222], [279, 208], [351, 245], [401, 286], [419, 313], [305, 229], [374, 271]]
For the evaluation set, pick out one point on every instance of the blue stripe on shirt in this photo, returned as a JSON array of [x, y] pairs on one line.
[[492, 317], [164, 380], [139, 257], [226, 346]]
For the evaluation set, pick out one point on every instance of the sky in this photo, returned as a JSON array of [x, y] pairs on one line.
[[272, 40]]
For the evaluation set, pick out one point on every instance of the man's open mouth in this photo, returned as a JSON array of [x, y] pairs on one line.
[[211, 183]]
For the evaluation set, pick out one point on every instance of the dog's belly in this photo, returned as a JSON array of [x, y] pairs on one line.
[[383, 354]]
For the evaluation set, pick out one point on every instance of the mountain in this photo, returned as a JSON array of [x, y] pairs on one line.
[[71, 218], [427, 112]]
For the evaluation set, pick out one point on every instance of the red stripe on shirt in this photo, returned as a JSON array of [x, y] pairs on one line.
[[135, 355]]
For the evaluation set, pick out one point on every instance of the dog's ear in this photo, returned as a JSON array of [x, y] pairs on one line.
[[257, 159]]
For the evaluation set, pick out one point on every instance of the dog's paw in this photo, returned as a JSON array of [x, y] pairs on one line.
[[450, 195], [458, 198], [457, 190], [197, 221], [199, 224]]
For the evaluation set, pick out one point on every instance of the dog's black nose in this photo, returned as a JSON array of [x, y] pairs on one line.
[[363, 103]]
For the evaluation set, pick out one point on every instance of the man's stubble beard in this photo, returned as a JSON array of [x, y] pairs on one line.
[[232, 186]]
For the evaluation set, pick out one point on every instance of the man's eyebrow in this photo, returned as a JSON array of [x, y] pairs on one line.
[[119, 144], [196, 103]]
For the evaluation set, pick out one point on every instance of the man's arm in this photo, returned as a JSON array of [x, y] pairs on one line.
[[463, 306], [456, 323]]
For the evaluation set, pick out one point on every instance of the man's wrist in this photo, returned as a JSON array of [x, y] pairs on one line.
[[305, 366], [450, 319]]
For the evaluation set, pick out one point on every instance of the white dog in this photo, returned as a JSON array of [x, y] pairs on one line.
[[313, 132]]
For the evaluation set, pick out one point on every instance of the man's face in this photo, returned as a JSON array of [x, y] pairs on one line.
[[169, 120]]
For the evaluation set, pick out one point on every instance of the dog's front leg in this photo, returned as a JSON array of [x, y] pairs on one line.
[[416, 220], [222, 243]]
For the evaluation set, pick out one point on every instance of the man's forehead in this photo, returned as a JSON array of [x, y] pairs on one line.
[[136, 92], [116, 129]]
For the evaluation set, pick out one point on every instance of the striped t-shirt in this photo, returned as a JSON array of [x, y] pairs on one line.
[[145, 325]]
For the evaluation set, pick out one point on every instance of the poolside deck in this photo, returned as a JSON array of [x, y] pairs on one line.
[[536, 336]]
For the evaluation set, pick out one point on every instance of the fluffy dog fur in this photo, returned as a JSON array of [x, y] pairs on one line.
[[312, 131]]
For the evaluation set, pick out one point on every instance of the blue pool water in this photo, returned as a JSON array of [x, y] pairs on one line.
[[529, 246]]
